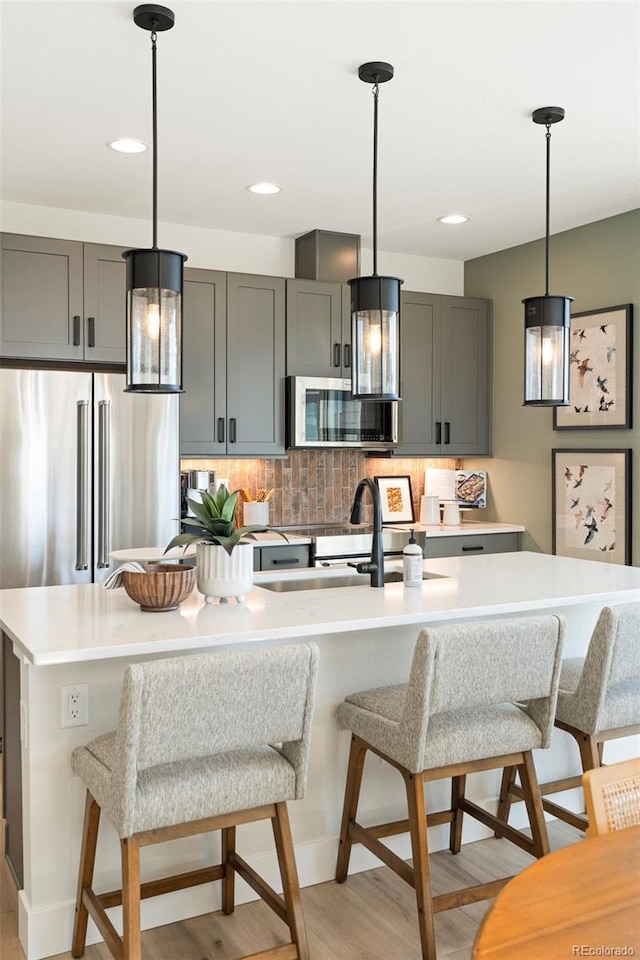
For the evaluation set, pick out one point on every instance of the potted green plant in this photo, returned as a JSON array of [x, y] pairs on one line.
[[224, 552]]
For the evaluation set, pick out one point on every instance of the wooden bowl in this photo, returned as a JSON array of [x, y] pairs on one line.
[[162, 587]]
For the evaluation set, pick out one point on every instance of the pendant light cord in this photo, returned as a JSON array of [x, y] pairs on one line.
[[154, 98], [375, 179], [547, 261]]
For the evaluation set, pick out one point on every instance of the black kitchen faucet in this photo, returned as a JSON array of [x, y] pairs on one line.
[[375, 566]]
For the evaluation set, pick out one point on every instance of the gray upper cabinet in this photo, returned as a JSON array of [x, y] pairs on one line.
[[318, 329], [62, 300], [233, 365], [203, 405], [105, 303], [445, 409]]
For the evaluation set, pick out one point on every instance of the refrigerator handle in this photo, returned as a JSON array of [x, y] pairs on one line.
[[82, 486], [104, 451]]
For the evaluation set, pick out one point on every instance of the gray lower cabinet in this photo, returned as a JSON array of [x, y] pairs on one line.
[[446, 356], [318, 329], [468, 545], [285, 557], [62, 300], [233, 365]]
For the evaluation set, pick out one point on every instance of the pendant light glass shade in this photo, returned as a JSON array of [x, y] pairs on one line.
[[547, 319], [154, 321], [546, 351], [375, 337], [375, 300], [154, 276]]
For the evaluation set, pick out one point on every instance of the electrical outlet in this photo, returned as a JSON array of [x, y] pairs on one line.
[[74, 705]]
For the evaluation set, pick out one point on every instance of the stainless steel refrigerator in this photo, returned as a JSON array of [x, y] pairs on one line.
[[84, 469]]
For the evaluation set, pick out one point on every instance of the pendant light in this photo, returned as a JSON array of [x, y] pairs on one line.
[[154, 277], [375, 300], [547, 319]]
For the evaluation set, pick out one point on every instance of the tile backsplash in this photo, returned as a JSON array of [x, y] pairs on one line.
[[316, 486]]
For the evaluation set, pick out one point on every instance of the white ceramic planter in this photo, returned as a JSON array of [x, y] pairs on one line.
[[224, 575]]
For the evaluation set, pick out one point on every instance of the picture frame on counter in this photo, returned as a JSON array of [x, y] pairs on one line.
[[396, 499], [591, 504], [600, 371]]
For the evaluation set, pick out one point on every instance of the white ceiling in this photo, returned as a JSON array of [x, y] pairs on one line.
[[269, 91]]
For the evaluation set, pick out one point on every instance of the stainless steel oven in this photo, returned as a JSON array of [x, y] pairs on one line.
[[322, 413]]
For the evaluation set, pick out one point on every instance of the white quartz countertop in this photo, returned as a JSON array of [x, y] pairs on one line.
[[465, 529], [68, 624]]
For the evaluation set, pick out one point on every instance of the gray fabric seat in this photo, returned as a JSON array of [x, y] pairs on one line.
[[479, 696], [201, 740], [601, 691], [598, 700]]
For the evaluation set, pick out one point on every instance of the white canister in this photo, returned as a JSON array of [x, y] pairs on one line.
[[429, 510], [255, 511], [451, 514]]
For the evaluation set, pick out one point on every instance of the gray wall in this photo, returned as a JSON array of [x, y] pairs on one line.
[[599, 266]]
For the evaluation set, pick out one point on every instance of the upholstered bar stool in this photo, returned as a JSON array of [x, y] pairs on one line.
[[598, 700], [203, 743], [457, 715]]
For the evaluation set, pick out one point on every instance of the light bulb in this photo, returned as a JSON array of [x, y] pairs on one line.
[[153, 320], [375, 339], [548, 351]]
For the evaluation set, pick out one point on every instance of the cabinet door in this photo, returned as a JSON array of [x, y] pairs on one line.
[[255, 365], [284, 558], [466, 377], [315, 346], [204, 350], [471, 544], [105, 281], [41, 298], [420, 417]]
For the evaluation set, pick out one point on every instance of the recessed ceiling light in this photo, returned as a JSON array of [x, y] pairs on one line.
[[264, 188], [128, 145], [453, 218]]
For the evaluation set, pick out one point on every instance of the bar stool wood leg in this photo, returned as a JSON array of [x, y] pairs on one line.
[[352, 793], [458, 785], [589, 753], [290, 883], [85, 873], [506, 796], [420, 852], [228, 843], [130, 851], [533, 802]]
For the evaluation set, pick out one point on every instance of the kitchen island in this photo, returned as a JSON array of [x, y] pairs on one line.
[[66, 635]]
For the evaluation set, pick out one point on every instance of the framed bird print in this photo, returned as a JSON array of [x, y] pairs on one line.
[[592, 504], [600, 371]]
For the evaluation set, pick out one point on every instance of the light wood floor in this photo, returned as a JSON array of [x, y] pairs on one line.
[[370, 917]]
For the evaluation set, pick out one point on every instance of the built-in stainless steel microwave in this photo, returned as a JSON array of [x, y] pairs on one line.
[[322, 413]]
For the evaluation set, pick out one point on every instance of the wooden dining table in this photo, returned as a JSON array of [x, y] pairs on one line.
[[581, 901]]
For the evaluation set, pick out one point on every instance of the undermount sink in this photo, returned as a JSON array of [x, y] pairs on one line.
[[326, 583]]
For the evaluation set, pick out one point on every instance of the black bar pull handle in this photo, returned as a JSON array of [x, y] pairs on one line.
[[471, 549], [232, 430], [76, 331], [347, 354], [220, 429], [438, 432], [289, 561], [91, 331], [447, 432], [336, 354]]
